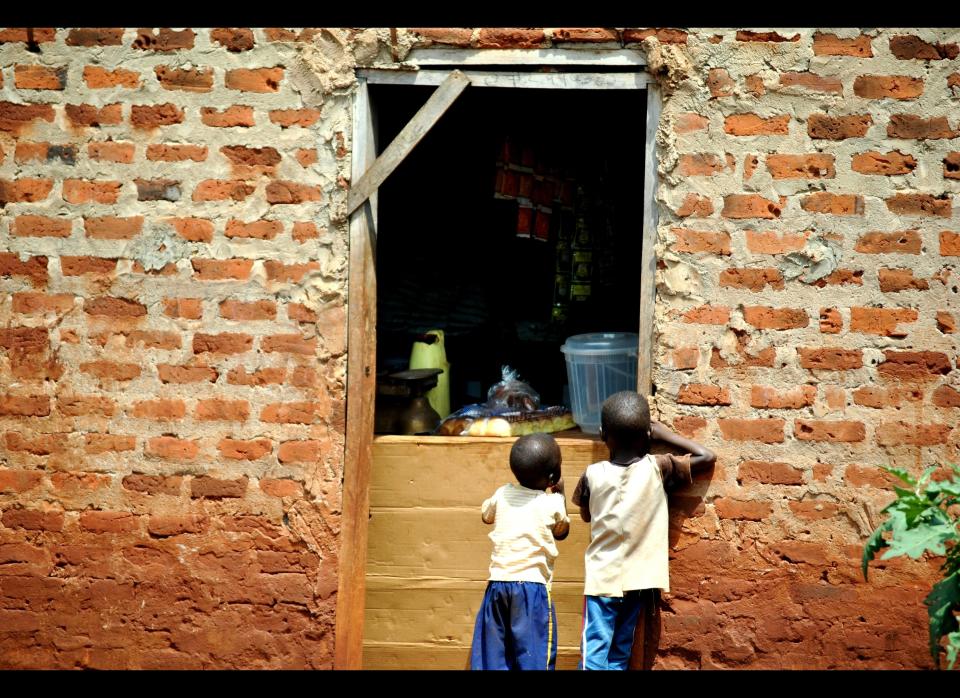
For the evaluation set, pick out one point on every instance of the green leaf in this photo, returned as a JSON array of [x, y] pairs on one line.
[[874, 544], [940, 603], [914, 542], [953, 648], [902, 474]]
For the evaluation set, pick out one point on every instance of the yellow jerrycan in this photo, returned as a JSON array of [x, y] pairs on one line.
[[428, 352]]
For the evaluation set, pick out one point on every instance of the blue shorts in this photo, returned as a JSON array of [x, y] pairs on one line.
[[608, 626], [516, 628]]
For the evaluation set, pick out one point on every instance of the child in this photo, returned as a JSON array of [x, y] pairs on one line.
[[625, 501], [517, 622]]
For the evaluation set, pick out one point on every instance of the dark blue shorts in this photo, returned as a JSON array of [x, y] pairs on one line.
[[516, 628], [608, 627]]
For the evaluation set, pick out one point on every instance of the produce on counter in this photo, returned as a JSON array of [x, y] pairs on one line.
[[546, 420]]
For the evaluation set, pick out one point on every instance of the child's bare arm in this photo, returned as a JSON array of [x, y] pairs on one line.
[[581, 497], [488, 512], [701, 456], [561, 529]]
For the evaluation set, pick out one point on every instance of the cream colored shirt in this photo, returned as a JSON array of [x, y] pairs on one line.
[[524, 549], [628, 524]]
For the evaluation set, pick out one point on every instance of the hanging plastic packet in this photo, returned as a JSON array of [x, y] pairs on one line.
[[512, 393]]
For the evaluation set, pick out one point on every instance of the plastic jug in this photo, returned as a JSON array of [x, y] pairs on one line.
[[431, 353]]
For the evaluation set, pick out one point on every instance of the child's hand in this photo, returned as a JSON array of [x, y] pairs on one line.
[[557, 487]]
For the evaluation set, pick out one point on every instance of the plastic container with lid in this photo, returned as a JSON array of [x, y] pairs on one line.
[[599, 364]]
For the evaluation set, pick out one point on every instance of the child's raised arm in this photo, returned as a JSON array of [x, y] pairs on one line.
[[561, 529], [701, 456], [488, 511]]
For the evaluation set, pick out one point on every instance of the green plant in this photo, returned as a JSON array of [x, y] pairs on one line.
[[924, 519]]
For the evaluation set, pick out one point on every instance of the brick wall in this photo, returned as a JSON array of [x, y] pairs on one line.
[[171, 352], [172, 335]]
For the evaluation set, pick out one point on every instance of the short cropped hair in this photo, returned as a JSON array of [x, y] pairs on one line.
[[625, 416], [533, 457]]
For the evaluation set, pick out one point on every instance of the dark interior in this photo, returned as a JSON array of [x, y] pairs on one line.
[[448, 253]]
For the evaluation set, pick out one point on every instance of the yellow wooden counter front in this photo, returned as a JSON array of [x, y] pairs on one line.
[[428, 551]]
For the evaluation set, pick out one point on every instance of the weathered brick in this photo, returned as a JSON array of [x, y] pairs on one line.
[[223, 343], [114, 307], [695, 206], [811, 82], [263, 376], [234, 40], [171, 448], [34, 303], [113, 228], [743, 206], [222, 269], [164, 526], [833, 204], [878, 398], [708, 315], [254, 80], [831, 45], [222, 190], [753, 125], [830, 359], [946, 322], [94, 37], [153, 339], [748, 510], [214, 488], [764, 430], [949, 244], [186, 374], [110, 151], [776, 318], [33, 520], [172, 152], [110, 370], [265, 158], [154, 116], [14, 118], [839, 431], [285, 118], [19, 480], [98, 78], [719, 82], [838, 128], [41, 226], [893, 280], [222, 410], [918, 128], [245, 450], [769, 473], [260, 230], [705, 164], [96, 521], [887, 86], [24, 190], [901, 433], [39, 445], [881, 321], [701, 394], [187, 308], [236, 116], [153, 484], [445, 36], [286, 192], [776, 37], [905, 242], [946, 396], [248, 310], [39, 77], [164, 40], [157, 189], [914, 365], [109, 443], [86, 115], [689, 122], [184, 79], [33, 268], [510, 38], [891, 163], [289, 413], [767, 397], [920, 205], [82, 191], [907, 46], [282, 488], [85, 405], [278, 271]]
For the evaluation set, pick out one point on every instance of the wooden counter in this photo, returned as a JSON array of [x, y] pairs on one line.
[[428, 551]]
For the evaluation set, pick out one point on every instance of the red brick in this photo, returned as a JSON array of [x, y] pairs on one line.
[[775, 318], [510, 38], [94, 37], [696, 241], [579, 34], [705, 164], [887, 86], [109, 443], [108, 521], [920, 205], [301, 451], [157, 189], [277, 271], [689, 426], [186, 374], [916, 127], [112, 228], [770, 242], [301, 313], [164, 40], [701, 394], [831, 45], [153, 339], [755, 279], [812, 82], [891, 163], [222, 190], [169, 152], [154, 116], [34, 268], [745, 35], [40, 445], [838, 128], [708, 315], [306, 156], [285, 192], [286, 118], [188, 308], [664, 36], [263, 376], [289, 344], [171, 448], [808, 430], [153, 484], [449, 37], [86, 115], [38, 303], [16, 117], [184, 79], [907, 46], [817, 166], [260, 230], [24, 190], [254, 80], [878, 398], [742, 206], [109, 151], [164, 526], [695, 206], [26, 152], [222, 410], [236, 116], [752, 125], [82, 484], [946, 322], [84, 405], [20, 35], [830, 321], [193, 229], [893, 280], [688, 122], [213, 488], [282, 488], [764, 430], [754, 85], [252, 310], [32, 520], [265, 158], [769, 473], [881, 321], [222, 269], [114, 307], [685, 358], [305, 35], [719, 82], [19, 480], [41, 226], [80, 191], [833, 204], [906, 242], [223, 343], [901, 433], [109, 370], [98, 78], [289, 413], [159, 409], [245, 450], [858, 475], [949, 244], [946, 396], [748, 510], [24, 339], [234, 40], [830, 359], [914, 365], [769, 398], [39, 77], [304, 231]]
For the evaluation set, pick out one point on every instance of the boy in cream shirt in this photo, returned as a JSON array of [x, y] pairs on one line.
[[516, 626], [624, 499]]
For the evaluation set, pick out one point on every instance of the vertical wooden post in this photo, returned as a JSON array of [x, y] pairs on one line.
[[361, 383], [648, 262]]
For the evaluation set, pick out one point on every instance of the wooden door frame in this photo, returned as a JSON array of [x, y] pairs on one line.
[[435, 65]]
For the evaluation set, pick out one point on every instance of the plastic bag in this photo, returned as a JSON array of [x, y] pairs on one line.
[[513, 394]]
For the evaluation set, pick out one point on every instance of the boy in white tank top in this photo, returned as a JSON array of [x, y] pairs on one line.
[[624, 499]]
